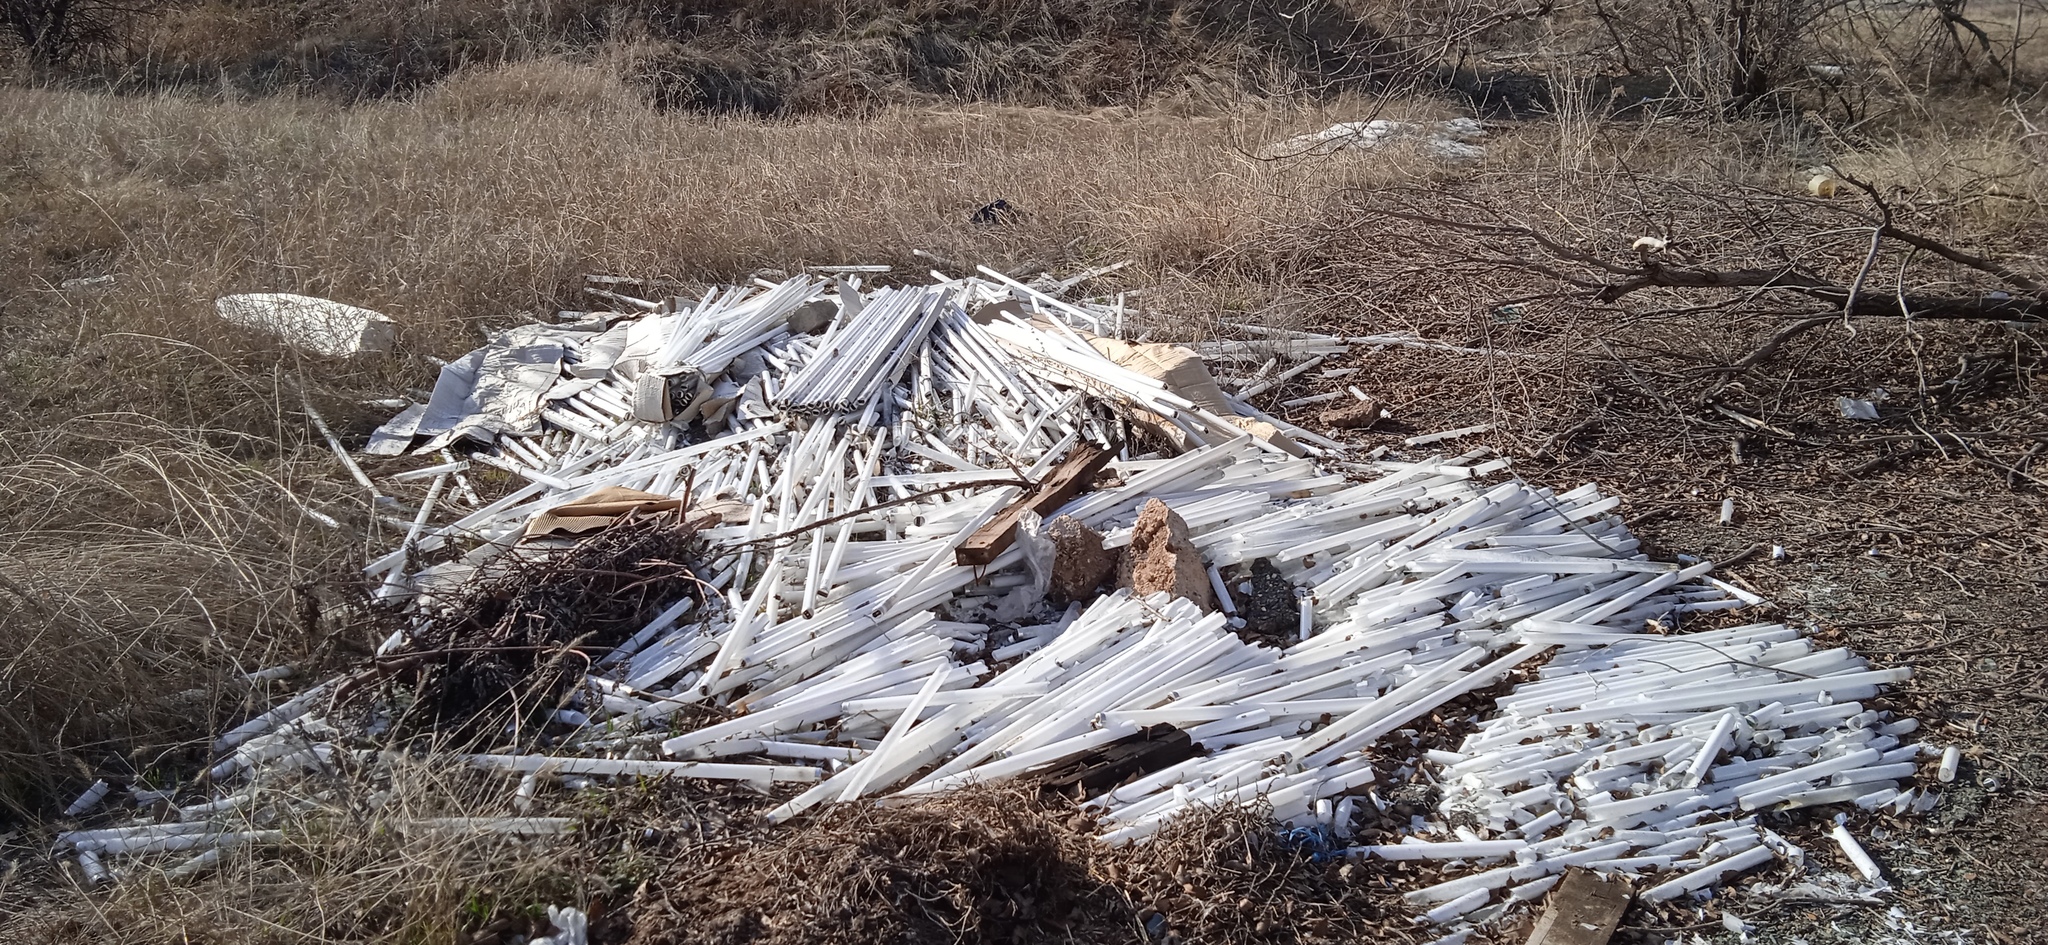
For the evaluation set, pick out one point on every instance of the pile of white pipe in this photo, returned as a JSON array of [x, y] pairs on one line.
[[1650, 755], [850, 656]]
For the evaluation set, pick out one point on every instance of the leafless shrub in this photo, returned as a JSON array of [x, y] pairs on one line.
[[55, 31], [1731, 56]]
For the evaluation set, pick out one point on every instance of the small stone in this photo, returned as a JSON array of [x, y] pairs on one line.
[[1161, 557], [1080, 565], [1354, 415]]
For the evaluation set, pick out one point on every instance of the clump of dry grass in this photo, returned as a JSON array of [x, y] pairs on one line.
[[990, 864], [476, 205], [787, 57], [361, 860], [142, 570]]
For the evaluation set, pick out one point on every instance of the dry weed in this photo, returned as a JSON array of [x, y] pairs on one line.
[[139, 577]]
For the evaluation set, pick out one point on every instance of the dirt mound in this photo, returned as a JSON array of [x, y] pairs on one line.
[[1006, 864], [981, 865]]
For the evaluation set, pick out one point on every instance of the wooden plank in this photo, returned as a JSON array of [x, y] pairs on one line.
[[1067, 480], [1584, 909], [1142, 752]]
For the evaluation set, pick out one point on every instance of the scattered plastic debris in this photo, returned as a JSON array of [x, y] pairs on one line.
[[1455, 139]]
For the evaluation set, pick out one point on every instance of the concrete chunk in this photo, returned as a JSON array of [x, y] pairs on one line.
[[1080, 565], [1161, 557]]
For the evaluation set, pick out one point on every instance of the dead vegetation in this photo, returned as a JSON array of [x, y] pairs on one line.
[[512, 642]]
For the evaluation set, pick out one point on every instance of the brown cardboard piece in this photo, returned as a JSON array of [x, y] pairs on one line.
[[1584, 909], [598, 509]]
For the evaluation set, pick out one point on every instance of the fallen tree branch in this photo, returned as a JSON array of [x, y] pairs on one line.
[[1993, 306], [1785, 231]]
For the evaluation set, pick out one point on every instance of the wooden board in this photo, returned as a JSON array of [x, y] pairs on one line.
[[1066, 481], [1583, 910], [1142, 752]]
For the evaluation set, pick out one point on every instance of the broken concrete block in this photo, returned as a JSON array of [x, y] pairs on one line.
[[1080, 565], [1161, 557], [317, 326]]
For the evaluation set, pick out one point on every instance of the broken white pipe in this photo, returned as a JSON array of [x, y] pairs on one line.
[[428, 472], [1709, 874], [1321, 398], [204, 861], [395, 581], [612, 766], [1429, 438], [1222, 592], [333, 442], [1711, 749], [88, 800], [95, 871], [290, 710], [1951, 758], [1858, 857], [496, 826], [892, 741], [1288, 375], [1448, 850], [1459, 906], [212, 838]]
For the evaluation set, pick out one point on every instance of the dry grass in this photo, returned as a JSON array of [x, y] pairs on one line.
[[783, 57], [489, 197], [355, 865]]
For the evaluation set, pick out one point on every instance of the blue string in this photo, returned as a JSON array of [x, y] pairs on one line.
[[1316, 840]]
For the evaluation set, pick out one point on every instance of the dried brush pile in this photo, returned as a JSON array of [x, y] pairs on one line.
[[1231, 875], [518, 637]]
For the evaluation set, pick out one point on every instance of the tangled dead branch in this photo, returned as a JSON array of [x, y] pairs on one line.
[[1493, 238], [518, 638]]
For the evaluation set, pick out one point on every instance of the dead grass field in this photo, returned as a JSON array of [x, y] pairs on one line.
[[151, 549]]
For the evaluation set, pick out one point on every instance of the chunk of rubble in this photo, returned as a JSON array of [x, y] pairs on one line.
[[1162, 558], [1080, 565], [1453, 140], [1354, 415], [313, 325]]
